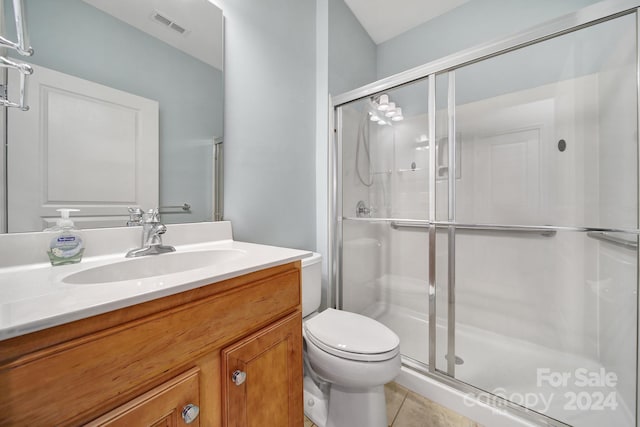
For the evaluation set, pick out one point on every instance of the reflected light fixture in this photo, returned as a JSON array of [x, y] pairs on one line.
[[391, 110], [382, 107], [398, 115], [383, 102]]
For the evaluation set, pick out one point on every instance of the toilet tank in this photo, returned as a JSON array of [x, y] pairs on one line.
[[311, 283]]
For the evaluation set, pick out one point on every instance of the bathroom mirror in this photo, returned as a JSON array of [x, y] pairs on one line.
[[126, 109]]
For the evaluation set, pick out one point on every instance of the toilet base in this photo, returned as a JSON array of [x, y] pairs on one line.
[[315, 403], [345, 407], [357, 407]]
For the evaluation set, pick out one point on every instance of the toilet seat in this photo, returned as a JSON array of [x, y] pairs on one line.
[[352, 336]]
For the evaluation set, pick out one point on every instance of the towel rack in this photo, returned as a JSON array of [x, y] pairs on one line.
[[23, 48], [186, 207], [22, 45], [25, 70]]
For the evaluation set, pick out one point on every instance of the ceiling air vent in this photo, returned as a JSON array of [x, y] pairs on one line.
[[163, 19], [177, 28]]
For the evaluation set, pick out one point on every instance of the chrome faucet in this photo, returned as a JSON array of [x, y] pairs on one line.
[[152, 231]]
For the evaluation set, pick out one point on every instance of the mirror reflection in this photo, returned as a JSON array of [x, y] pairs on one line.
[[126, 107]]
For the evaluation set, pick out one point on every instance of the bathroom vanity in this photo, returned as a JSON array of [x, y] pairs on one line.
[[228, 353]]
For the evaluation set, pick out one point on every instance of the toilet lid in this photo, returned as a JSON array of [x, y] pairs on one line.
[[352, 336]]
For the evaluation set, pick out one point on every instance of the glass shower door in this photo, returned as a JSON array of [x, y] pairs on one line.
[[540, 242], [384, 180]]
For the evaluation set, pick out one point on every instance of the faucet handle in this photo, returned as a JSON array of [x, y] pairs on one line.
[[135, 217], [152, 216]]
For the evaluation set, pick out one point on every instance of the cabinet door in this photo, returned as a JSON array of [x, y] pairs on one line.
[[160, 407], [271, 393]]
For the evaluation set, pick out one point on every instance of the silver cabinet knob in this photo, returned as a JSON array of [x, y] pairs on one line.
[[238, 377], [190, 413]]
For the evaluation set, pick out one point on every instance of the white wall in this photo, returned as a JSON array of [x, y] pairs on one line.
[[270, 129]]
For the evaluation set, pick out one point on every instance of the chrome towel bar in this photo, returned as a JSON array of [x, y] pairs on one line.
[[185, 207]]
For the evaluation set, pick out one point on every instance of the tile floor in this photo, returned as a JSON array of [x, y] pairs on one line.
[[407, 409]]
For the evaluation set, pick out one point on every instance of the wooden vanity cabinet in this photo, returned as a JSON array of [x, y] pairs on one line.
[[142, 365]]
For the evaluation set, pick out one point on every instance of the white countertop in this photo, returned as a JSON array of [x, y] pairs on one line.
[[34, 297]]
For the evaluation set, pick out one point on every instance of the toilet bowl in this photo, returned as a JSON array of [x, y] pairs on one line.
[[348, 359]]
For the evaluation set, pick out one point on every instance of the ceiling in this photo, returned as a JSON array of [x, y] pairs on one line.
[[385, 19], [201, 19], [382, 19]]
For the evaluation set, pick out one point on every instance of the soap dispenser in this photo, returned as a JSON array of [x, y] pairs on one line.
[[67, 246]]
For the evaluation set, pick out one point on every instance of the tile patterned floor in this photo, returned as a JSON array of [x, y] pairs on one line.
[[407, 409]]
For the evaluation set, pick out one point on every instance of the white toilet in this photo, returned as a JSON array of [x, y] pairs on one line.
[[348, 358]]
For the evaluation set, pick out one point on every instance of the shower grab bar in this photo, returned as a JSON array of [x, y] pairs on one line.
[[543, 231], [611, 238], [422, 223], [22, 46]]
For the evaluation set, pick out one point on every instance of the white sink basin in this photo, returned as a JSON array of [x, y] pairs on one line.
[[153, 265]]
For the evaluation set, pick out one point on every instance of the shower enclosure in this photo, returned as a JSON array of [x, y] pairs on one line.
[[492, 222]]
